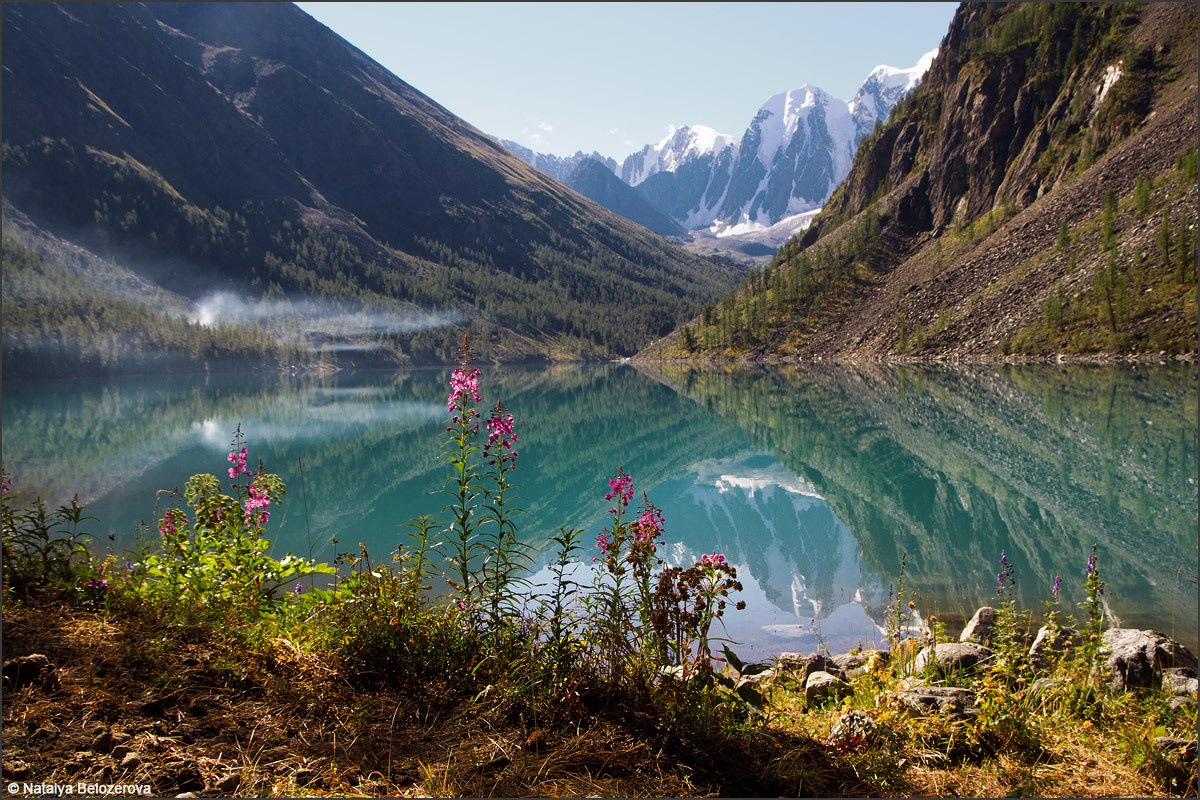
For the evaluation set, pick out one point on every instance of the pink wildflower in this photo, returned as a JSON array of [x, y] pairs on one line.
[[257, 500], [650, 524], [620, 487], [500, 437], [462, 382], [238, 459]]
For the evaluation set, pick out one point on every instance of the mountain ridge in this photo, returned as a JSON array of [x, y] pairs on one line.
[[246, 147]]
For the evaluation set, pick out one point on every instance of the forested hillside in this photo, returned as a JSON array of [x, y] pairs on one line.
[[246, 148], [1034, 197]]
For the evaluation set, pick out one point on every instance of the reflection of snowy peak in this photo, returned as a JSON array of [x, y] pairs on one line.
[[759, 514]]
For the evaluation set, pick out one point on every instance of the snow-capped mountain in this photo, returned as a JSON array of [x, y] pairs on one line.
[[767, 185], [558, 167], [883, 89], [681, 146], [795, 152]]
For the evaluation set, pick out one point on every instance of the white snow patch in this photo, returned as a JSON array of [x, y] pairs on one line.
[[1112, 73]]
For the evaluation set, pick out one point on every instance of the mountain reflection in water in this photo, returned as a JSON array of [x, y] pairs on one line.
[[813, 482]]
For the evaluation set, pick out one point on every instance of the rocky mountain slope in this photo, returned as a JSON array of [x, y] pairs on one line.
[[246, 148], [1035, 196]]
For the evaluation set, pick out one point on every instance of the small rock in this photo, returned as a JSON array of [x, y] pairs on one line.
[[1043, 685], [103, 743], [1187, 746], [1179, 680], [34, 669], [229, 784], [16, 770], [120, 751], [751, 680], [821, 686], [857, 663], [949, 700], [951, 658], [853, 727], [131, 761], [1181, 701], [1051, 644], [982, 628]]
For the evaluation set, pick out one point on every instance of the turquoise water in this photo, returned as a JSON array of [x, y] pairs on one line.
[[815, 482]]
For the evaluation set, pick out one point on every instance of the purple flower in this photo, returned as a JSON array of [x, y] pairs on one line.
[[299, 588], [1057, 581]]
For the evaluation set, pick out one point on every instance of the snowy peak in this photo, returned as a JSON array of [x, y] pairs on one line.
[[681, 146], [558, 167], [884, 87]]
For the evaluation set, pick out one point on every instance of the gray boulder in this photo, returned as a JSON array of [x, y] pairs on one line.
[[31, 670], [1179, 681], [852, 664], [1135, 658], [958, 657], [803, 666], [820, 687], [852, 728], [982, 628]]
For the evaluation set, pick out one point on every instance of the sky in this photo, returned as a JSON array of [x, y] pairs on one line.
[[614, 77]]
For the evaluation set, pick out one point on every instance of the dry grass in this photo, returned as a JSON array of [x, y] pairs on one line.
[[209, 715]]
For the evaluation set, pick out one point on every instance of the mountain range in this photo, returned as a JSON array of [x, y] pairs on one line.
[[246, 149], [792, 155]]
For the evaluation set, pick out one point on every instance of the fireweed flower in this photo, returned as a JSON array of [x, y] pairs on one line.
[[649, 525], [620, 487], [500, 437], [462, 383], [238, 460], [257, 500]]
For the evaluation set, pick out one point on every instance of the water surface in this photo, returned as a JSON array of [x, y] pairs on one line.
[[815, 482]]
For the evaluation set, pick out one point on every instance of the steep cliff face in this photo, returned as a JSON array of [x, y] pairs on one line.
[[1017, 99], [1034, 195]]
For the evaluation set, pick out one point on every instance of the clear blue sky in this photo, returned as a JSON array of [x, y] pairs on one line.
[[612, 77]]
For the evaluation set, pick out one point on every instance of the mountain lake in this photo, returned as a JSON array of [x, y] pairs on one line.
[[814, 481]]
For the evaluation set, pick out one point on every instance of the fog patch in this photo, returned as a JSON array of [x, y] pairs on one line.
[[320, 325]]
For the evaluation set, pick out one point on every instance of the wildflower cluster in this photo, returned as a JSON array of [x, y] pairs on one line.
[[663, 614], [463, 382], [238, 460], [219, 557]]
